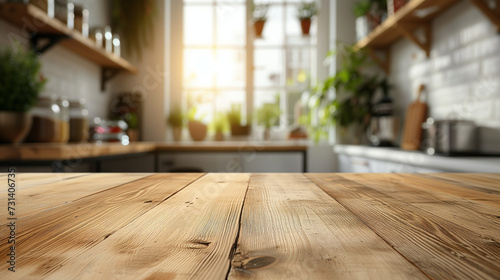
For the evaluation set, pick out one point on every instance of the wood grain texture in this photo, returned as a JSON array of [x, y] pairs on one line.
[[28, 180], [32, 201], [441, 249], [188, 236], [290, 228], [469, 214], [47, 241]]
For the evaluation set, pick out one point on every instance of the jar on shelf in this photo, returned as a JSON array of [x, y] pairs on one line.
[[78, 121], [46, 125], [64, 107]]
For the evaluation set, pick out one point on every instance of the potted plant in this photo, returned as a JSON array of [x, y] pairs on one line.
[[369, 14], [176, 121], [132, 121], [220, 126], [306, 11], [20, 84], [267, 116], [259, 16], [197, 129], [350, 110], [234, 118]]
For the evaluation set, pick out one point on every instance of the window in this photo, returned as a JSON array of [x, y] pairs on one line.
[[218, 70]]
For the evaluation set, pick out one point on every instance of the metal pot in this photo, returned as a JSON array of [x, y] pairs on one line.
[[450, 137]]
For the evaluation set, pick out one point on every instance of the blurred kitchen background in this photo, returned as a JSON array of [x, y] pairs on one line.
[[253, 86]]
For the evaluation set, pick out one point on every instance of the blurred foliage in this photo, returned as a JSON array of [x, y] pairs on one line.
[[307, 10], [135, 21], [176, 118], [20, 81]]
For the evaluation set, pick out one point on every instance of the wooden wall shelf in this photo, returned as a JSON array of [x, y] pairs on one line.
[[414, 15], [35, 21]]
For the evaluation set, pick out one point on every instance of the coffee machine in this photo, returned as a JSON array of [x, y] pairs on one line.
[[384, 126]]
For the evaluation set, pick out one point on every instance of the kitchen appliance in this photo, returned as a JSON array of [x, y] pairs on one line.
[[384, 126], [415, 116], [450, 137]]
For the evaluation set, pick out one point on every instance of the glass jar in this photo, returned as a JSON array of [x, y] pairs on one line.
[[64, 107], [78, 121], [46, 126]]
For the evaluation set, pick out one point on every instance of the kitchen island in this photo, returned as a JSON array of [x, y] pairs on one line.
[[253, 226]]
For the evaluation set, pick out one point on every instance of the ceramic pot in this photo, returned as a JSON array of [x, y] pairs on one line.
[[259, 27], [305, 25], [219, 136], [239, 130], [177, 132], [197, 130], [14, 126]]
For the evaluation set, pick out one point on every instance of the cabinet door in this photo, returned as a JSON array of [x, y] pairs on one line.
[[133, 163], [200, 162], [273, 162]]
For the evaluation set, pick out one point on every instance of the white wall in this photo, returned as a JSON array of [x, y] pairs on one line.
[[150, 81], [462, 73]]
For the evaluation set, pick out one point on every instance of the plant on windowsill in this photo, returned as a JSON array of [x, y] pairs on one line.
[[20, 84], [267, 116], [197, 129], [176, 121], [306, 11], [234, 117], [220, 126], [354, 87], [369, 14], [259, 16]]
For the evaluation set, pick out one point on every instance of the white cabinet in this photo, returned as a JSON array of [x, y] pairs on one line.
[[357, 164], [230, 162]]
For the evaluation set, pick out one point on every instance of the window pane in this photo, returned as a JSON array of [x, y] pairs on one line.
[[292, 101], [202, 100], [224, 99], [198, 25], [231, 25], [273, 28], [268, 67], [198, 1], [198, 68], [230, 68], [298, 63]]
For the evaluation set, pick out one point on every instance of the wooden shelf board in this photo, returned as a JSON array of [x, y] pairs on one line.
[[34, 20], [412, 14]]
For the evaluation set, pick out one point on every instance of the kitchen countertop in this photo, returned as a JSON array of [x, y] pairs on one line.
[[418, 158], [55, 151], [240, 226]]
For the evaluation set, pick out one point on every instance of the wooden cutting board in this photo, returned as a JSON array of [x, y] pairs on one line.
[[415, 116]]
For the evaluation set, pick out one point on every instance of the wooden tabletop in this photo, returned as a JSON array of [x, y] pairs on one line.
[[58, 151], [253, 226]]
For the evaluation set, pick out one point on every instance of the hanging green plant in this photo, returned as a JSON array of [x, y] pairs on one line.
[[134, 20]]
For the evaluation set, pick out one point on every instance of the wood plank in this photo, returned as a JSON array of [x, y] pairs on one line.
[[472, 215], [453, 191], [33, 200], [190, 235], [290, 228], [441, 249], [466, 180], [28, 180], [48, 240]]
